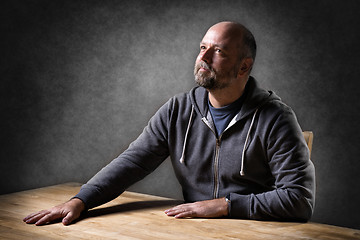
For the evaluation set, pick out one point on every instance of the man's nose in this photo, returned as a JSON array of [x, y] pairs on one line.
[[207, 56]]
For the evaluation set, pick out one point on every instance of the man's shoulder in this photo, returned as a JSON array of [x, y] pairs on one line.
[[179, 100], [276, 107], [276, 111], [195, 92]]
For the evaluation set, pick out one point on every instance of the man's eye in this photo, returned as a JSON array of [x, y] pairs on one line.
[[218, 50], [202, 47]]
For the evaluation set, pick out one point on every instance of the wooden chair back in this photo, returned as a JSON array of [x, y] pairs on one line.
[[308, 135]]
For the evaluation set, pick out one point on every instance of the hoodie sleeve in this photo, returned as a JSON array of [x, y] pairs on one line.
[[293, 196], [143, 156]]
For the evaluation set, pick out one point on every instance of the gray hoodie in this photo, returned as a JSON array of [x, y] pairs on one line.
[[261, 158]]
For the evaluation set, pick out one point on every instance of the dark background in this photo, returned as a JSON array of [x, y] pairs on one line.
[[80, 80]]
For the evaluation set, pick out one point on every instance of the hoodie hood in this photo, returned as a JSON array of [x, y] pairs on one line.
[[255, 99]]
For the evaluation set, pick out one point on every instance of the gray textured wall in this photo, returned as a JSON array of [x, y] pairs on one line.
[[80, 79]]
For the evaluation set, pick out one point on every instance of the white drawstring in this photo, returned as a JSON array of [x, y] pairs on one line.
[[182, 159], [242, 173]]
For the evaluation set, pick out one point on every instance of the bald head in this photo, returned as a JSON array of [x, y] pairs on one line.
[[245, 41]]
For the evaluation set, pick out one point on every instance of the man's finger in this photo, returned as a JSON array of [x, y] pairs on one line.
[[177, 208], [181, 212], [47, 218], [69, 218], [185, 214], [32, 218], [173, 211]]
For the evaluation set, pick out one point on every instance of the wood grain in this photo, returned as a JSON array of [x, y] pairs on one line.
[[140, 216]]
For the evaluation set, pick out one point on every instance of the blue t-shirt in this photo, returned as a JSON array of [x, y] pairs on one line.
[[222, 116]]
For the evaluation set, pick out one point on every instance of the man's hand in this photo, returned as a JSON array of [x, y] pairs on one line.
[[68, 211], [207, 209]]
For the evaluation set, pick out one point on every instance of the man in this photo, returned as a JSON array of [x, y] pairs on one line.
[[236, 149]]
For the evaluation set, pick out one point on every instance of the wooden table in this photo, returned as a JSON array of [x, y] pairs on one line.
[[140, 216]]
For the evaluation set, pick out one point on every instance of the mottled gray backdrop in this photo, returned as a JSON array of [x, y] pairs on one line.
[[80, 80]]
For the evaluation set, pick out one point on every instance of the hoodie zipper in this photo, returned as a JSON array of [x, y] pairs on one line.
[[216, 170], [216, 160]]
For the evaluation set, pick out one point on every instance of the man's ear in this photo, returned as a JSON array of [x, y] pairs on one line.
[[245, 66]]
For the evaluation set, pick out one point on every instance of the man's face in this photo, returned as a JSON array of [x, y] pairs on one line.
[[217, 64]]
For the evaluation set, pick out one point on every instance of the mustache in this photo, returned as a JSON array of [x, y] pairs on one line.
[[204, 65]]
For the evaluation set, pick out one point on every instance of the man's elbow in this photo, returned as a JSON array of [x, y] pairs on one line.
[[304, 214], [303, 208]]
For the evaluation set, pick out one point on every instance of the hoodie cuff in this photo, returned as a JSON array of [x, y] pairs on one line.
[[240, 206], [85, 195]]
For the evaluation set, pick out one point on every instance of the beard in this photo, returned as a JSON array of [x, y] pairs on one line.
[[211, 79]]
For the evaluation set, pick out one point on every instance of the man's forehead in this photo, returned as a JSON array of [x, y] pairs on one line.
[[223, 39]]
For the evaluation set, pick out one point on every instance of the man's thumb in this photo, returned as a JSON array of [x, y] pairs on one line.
[[68, 218]]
